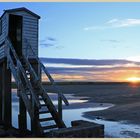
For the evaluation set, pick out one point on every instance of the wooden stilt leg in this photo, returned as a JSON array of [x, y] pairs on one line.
[[34, 125], [34, 122], [1, 75], [22, 117], [7, 116]]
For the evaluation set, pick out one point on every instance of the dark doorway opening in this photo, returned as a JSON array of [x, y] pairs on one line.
[[15, 33]]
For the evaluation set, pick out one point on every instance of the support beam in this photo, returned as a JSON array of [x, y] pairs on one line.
[[60, 106], [1, 75], [34, 122], [6, 91], [22, 117]]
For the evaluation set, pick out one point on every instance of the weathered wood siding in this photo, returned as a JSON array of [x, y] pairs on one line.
[[2, 51], [30, 32], [3, 35]]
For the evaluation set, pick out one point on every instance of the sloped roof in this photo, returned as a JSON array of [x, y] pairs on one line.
[[21, 9]]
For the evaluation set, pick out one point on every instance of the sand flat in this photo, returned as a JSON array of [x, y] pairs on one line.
[[125, 97]]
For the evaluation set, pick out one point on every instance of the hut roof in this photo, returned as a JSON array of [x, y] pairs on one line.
[[21, 9]]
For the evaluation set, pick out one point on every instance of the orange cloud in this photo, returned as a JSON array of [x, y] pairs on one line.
[[110, 76]]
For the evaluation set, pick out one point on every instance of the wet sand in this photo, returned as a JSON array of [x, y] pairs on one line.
[[125, 97]]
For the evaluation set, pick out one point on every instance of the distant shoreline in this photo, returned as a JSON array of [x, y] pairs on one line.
[[83, 83]]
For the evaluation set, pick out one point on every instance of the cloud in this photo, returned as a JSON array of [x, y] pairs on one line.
[[91, 70], [115, 23], [96, 62], [51, 39], [134, 58], [95, 28], [50, 42], [111, 40], [47, 45], [124, 22], [112, 21]]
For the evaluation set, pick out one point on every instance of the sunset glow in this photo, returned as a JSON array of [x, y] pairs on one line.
[[134, 79], [88, 46]]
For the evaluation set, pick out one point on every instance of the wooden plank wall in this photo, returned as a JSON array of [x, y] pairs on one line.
[[30, 32], [3, 35]]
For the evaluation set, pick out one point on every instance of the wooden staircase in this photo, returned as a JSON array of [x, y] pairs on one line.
[[33, 93]]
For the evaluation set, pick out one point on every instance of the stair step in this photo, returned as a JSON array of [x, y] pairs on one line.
[[37, 90], [28, 93], [41, 99], [27, 72], [43, 112], [46, 119], [24, 65], [49, 127], [43, 104]]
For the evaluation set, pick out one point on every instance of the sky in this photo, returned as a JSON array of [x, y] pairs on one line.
[[88, 31]]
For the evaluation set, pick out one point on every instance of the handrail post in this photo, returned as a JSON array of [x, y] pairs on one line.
[[60, 106]]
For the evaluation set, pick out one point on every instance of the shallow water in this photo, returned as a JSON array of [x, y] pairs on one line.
[[120, 129], [112, 128]]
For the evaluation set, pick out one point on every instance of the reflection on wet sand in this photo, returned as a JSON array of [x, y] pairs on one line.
[[79, 105]]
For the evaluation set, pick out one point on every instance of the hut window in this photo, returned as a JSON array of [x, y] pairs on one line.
[[0, 27]]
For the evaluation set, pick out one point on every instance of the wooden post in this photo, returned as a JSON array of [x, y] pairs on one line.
[[1, 75], [7, 104], [22, 117], [60, 106], [34, 122]]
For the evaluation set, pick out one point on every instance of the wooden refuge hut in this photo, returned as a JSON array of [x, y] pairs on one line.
[[19, 57]]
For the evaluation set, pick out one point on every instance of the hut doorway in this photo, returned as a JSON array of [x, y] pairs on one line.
[[15, 32]]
